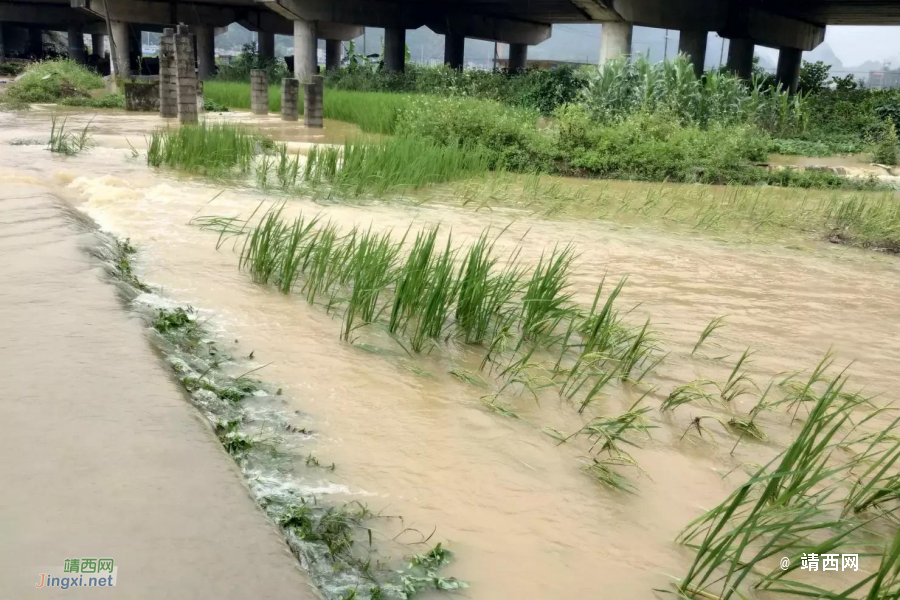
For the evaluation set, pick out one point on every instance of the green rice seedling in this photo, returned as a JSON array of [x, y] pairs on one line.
[[735, 386], [469, 377], [777, 511], [483, 294], [604, 470], [67, 142], [412, 280], [371, 267], [291, 252], [287, 169], [321, 262], [710, 328], [878, 486], [547, 301], [689, 393], [438, 297], [218, 149], [263, 169], [262, 247]]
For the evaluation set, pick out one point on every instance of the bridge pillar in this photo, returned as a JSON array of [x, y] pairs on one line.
[[290, 98], [305, 44], [394, 50], [186, 75], [518, 57], [615, 40], [119, 63], [454, 50], [259, 92], [692, 43], [98, 44], [788, 72], [168, 75], [333, 51], [135, 49], [76, 43], [740, 57], [2, 46], [265, 44], [35, 44], [206, 52]]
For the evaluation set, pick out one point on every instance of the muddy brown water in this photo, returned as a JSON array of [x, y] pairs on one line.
[[524, 520]]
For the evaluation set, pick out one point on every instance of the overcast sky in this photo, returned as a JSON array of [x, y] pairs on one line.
[[854, 45]]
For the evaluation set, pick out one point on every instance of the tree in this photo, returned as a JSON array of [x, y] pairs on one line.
[[813, 77], [847, 83]]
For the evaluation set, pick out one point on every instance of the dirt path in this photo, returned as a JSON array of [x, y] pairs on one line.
[[102, 456]]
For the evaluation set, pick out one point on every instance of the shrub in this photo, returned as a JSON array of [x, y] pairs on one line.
[[241, 65], [656, 146], [508, 135], [886, 149], [52, 80]]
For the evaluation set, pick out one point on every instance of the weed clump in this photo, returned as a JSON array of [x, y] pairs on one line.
[[51, 81], [886, 148], [66, 142]]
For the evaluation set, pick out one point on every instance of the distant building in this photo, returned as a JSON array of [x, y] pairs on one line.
[[879, 80]]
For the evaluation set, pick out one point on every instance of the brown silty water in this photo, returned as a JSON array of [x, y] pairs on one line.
[[523, 518]]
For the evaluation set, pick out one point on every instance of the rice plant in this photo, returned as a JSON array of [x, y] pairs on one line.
[[360, 167], [67, 142], [546, 302], [218, 150], [714, 325], [785, 509]]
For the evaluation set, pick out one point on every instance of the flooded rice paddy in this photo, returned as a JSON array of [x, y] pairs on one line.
[[409, 439]]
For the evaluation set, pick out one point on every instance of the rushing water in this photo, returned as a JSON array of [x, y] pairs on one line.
[[523, 519]]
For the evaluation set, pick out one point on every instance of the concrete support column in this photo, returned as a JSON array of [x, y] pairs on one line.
[[186, 75], [394, 50], [312, 103], [788, 73], [265, 44], [206, 52], [333, 51], [290, 98], [98, 44], [168, 76], [692, 43], [2, 46], [259, 92], [454, 50], [518, 57], [76, 43], [615, 40], [740, 58], [35, 41], [305, 42], [135, 51], [118, 40]]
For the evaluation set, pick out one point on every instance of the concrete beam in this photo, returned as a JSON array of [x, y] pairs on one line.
[[596, 10], [674, 14], [264, 20], [55, 16], [369, 13], [615, 40], [774, 31], [493, 29], [158, 13]]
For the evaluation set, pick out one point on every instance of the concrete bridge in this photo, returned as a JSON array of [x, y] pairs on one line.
[[791, 27]]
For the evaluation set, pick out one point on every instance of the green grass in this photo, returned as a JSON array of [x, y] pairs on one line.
[[51, 81], [217, 150], [372, 112], [360, 167], [66, 142]]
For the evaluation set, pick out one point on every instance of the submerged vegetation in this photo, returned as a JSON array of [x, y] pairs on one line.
[[67, 142], [340, 546]]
